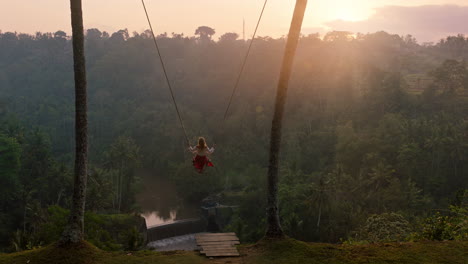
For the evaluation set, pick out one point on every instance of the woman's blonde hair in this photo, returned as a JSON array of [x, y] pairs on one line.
[[201, 143]]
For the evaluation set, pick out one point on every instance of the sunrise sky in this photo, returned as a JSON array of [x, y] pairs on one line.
[[427, 20]]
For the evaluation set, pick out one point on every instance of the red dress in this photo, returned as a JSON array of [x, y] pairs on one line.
[[199, 162]]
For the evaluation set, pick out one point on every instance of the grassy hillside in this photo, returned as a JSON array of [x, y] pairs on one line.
[[293, 251], [283, 251]]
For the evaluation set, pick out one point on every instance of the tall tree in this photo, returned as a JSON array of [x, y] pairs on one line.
[[274, 229], [123, 157], [205, 33], [74, 231]]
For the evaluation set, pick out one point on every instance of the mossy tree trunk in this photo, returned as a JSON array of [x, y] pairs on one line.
[[274, 229], [74, 231]]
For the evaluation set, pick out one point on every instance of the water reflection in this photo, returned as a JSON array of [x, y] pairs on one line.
[[159, 201], [154, 219]]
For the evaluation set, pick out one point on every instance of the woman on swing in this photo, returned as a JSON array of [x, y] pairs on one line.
[[201, 151]]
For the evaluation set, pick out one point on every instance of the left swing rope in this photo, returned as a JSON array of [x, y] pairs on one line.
[[165, 74]]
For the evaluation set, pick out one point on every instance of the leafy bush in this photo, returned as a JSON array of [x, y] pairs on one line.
[[447, 227], [134, 240], [384, 227], [108, 232], [24, 241]]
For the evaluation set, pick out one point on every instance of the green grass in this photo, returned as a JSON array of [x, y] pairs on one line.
[[286, 251], [293, 251], [86, 253]]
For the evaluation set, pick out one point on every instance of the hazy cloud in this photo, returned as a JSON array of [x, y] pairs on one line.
[[426, 23], [312, 30]]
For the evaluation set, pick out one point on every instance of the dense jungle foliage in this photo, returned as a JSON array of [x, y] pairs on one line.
[[374, 142]]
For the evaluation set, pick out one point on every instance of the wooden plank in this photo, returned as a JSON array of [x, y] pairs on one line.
[[217, 242], [236, 242], [217, 247], [227, 244], [215, 234], [208, 239], [219, 252], [217, 239], [221, 239]]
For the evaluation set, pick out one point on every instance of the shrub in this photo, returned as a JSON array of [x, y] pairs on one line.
[[453, 226], [108, 232], [386, 227]]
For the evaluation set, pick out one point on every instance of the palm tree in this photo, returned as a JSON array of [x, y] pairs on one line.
[[274, 227], [74, 231]]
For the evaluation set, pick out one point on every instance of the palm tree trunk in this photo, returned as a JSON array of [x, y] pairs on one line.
[[274, 229], [120, 189], [74, 231]]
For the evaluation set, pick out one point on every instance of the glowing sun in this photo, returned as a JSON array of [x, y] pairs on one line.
[[348, 14]]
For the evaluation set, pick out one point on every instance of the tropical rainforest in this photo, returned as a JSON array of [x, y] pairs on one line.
[[375, 143]]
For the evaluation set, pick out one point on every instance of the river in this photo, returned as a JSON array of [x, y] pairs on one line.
[[160, 202]]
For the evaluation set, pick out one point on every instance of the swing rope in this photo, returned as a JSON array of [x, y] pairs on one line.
[[244, 62], [236, 83], [165, 73], [235, 86]]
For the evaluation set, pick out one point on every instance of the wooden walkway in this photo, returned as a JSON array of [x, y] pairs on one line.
[[218, 244]]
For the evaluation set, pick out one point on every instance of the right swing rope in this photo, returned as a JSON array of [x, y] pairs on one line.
[[245, 61]]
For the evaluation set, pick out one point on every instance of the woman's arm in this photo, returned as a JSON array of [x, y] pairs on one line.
[[192, 149], [211, 150]]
